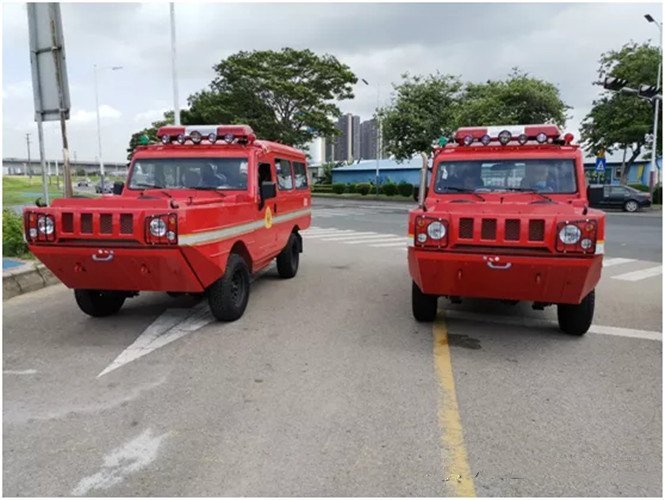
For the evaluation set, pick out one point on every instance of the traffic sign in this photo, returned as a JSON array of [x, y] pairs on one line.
[[600, 164]]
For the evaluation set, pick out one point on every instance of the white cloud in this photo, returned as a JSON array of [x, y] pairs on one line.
[[149, 116], [82, 116]]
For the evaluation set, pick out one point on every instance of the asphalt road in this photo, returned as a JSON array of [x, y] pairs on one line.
[[327, 386]]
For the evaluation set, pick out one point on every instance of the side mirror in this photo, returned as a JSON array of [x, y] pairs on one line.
[[416, 192], [268, 190], [118, 187]]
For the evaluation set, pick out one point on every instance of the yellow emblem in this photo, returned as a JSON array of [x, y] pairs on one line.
[[268, 218]]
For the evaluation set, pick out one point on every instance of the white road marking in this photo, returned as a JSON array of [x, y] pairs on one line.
[[383, 239], [349, 236], [171, 325], [616, 261], [540, 323], [640, 275], [328, 233], [387, 245], [127, 459], [19, 372]]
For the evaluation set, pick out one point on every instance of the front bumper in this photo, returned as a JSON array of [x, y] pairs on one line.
[[547, 279], [127, 269]]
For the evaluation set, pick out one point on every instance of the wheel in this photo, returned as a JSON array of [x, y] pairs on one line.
[[228, 296], [631, 206], [423, 305], [99, 303], [289, 258], [575, 319]]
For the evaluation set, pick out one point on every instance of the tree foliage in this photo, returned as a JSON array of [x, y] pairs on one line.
[[619, 121], [150, 132], [424, 108]]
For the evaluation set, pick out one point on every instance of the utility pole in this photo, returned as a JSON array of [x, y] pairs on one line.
[[176, 106], [654, 146], [29, 170]]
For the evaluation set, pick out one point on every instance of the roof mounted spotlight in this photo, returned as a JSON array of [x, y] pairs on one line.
[[181, 138], [468, 140], [166, 139], [196, 137], [229, 138], [541, 138], [486, 139], [212, 138], [522, 139], [504, 137]]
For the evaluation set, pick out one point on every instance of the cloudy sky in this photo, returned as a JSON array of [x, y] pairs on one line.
[[560, 43]]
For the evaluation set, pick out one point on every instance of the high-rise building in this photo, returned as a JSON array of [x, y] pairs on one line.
[[347, 143], [368, 138]]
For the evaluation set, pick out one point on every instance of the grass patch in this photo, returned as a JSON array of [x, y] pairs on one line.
[[21, 190]]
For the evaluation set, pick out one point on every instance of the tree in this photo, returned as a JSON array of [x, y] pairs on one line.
[[285, 96], [519, 99], [618, 121], [423, 109], [150, 132]]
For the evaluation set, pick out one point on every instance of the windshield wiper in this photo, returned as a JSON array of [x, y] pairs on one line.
[[530, 190], [204, 188], [149, 186], [463, 190]]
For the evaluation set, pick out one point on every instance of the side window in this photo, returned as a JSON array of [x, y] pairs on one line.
[[618, 191], [265, 175], [300, 174], [284, 176]]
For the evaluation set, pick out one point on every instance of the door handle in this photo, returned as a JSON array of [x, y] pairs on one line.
[[500, 267]]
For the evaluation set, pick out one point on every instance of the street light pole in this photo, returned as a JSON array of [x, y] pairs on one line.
[[27, 140], [99, 129], [378, 134], [174, 74], [654, 146]]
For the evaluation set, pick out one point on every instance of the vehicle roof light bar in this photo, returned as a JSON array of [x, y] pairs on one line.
[[505, 134], [241, 134]]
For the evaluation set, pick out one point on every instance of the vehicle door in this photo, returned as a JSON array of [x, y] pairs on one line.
[[266, 208], [618, 196], [287, 196], [301, 184]]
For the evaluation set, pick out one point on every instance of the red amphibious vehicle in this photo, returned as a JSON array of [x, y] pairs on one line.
[[200, 212]]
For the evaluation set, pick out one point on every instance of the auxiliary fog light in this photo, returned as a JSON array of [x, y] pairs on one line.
[[586, 244], [422, 238]]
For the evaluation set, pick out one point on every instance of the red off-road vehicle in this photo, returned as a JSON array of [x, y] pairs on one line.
[[506, 216], [199, 214]]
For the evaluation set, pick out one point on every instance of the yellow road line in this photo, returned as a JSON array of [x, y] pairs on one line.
[[457, 472]]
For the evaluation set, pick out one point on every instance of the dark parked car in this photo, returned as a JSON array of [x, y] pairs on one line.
[[627, 198], [83, 183], [106, 189]]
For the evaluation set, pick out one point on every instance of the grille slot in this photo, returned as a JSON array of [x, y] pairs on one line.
[[466, 228], [67, 222], [86, 223], [488, 229], [106, 223], [537, 230], [512, 230], [126, 224]]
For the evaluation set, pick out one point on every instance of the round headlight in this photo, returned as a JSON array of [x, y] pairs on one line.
[[45, 225], [468, 140], [586, 243], [522, 139], [196, 137], [212, 137], [436, 230], [570, 234], [33, 232], [157, 227], [229, 138], [181, 138], [505, 136], [541, 137], [486, 139], [422, 238], [166, 139]]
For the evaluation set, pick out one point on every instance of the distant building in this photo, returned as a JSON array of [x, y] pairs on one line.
[[369, 135], [347, 143]]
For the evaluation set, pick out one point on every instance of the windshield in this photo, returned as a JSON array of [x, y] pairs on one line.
[[189, 173], [542, 176]]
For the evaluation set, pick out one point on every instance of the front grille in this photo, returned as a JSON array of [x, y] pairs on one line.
[[501, 249], [512, 230], [126, 224], [67, 222], [537, 230], [86, 223], [106, 224], [466, 228], [488, 229]]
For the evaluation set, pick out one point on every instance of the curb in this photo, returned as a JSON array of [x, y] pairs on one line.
[[362, 198], [27, 278]]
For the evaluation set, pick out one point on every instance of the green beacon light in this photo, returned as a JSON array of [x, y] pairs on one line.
[[143, 140], [443, 141]]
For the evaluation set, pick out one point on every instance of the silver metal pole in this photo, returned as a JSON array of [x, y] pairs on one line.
[[654, 146], [40, 133], [29, 171], [176, 107], [99, 130], [378, 137]]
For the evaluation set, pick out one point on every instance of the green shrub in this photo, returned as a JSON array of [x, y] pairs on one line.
[[350, 187], [389, 189], [321, 188], [405, 189], [338, 188], [13, 244], [640, 187], [363, 188]]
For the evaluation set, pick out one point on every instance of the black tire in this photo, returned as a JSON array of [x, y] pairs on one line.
[[289, 258], [175, 295], [228, 296], [575, 319], [631, 206], [99, 303], [424, 306]]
